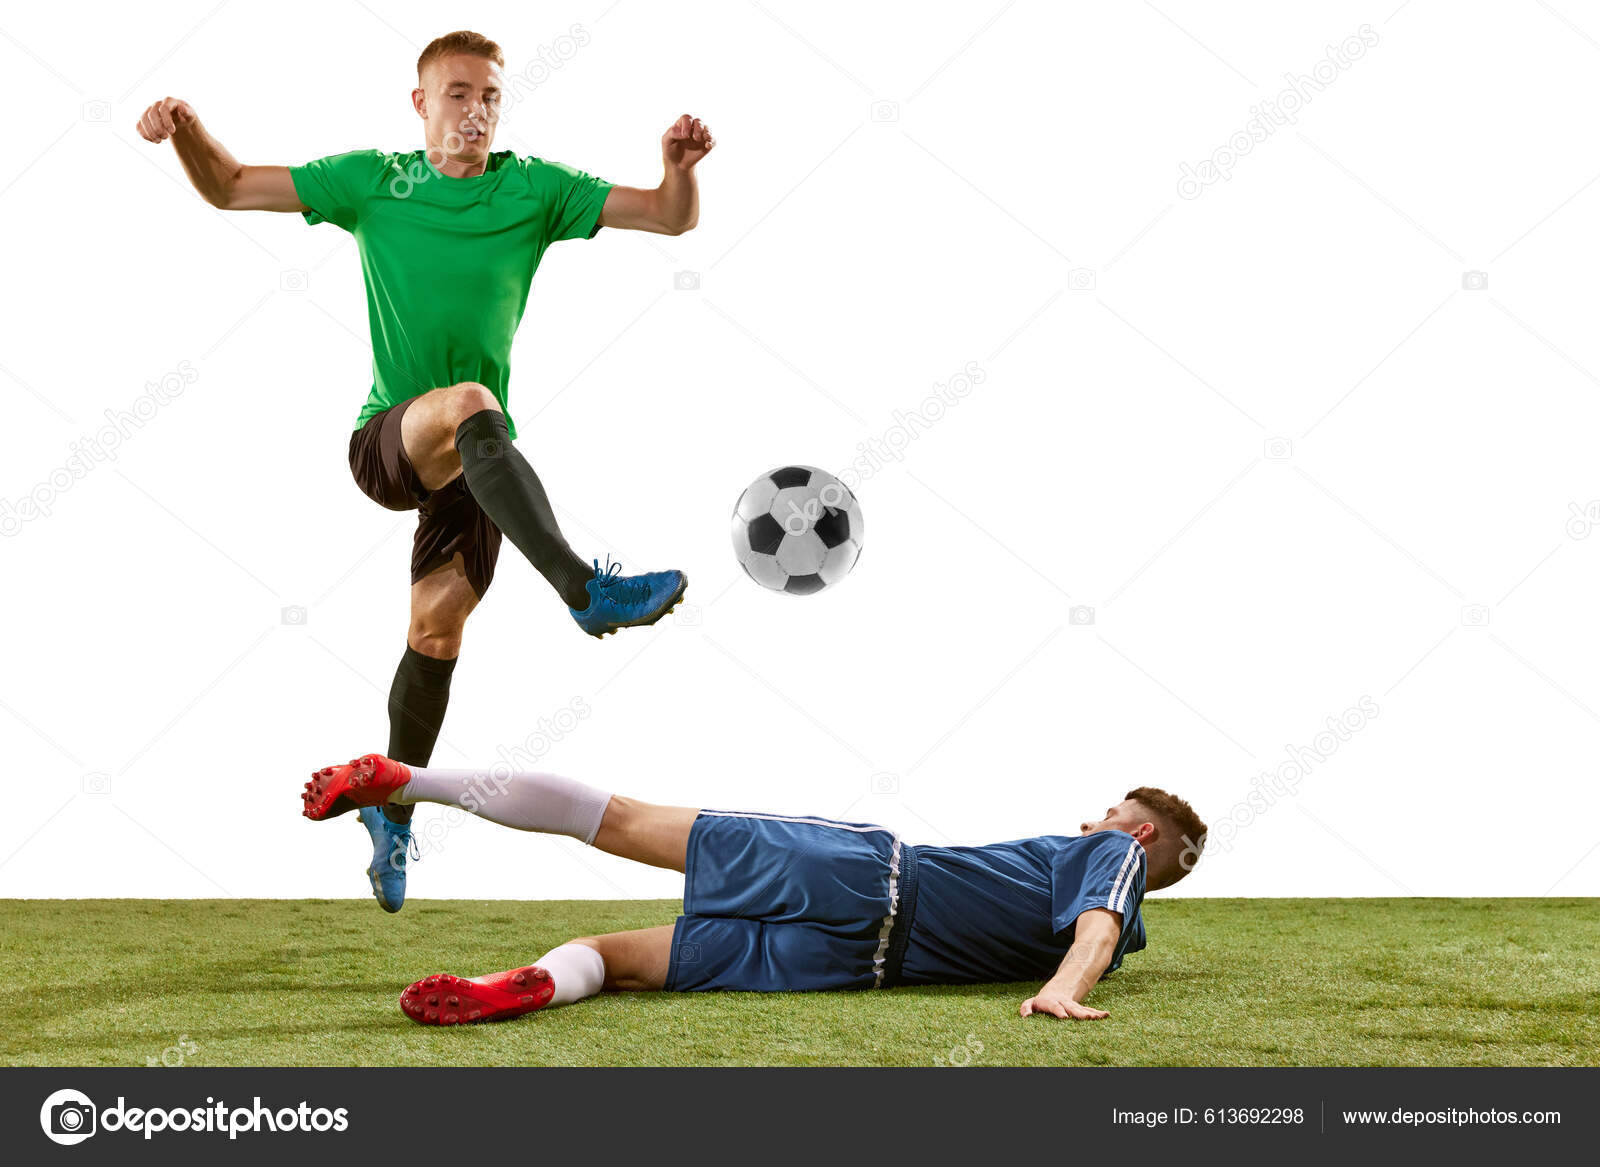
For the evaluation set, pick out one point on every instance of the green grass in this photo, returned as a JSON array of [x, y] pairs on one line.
[[1225, 982]]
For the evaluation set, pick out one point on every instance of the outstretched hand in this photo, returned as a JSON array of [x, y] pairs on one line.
[[1060, 1005], [686, 141], [165, 118]]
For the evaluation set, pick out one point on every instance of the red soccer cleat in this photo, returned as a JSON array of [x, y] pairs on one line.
[[367, 781], [448, 1000]]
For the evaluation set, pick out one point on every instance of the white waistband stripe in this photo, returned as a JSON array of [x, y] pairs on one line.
[[887, 927], [779, 818]]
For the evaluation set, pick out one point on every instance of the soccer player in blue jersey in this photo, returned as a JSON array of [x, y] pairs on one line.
[[795, 902]]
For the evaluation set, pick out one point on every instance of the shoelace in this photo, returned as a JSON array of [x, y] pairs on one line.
[[626, 591], [405, 843]]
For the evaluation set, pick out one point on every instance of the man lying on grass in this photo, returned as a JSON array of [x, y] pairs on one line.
[[793, 902]]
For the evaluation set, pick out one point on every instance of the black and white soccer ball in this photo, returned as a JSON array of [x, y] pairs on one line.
[[797, 530]]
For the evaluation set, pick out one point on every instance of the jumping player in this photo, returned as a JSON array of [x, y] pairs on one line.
[[449, 237], [793, 902]]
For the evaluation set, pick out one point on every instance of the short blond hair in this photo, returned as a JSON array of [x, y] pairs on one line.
[[472, 44]]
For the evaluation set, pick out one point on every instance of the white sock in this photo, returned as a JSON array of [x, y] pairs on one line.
[[577, 970], [529, 802]]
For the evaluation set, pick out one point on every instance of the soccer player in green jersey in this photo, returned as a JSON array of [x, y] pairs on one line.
[[449, 238]]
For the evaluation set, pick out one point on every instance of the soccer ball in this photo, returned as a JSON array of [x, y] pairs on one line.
[[797, 530]]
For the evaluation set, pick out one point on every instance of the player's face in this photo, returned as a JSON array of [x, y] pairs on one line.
[[1125, 816], [460, 105]]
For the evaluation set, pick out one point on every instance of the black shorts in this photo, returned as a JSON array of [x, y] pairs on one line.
[[449, 520]]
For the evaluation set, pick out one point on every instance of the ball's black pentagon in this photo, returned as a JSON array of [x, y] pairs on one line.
[[833, 528], [765, 534], [804, 585], [790, 476]]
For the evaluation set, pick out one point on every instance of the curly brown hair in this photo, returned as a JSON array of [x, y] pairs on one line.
[[1182, 851]]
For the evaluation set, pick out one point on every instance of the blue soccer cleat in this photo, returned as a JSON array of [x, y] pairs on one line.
[[391, 841], [625, 601]]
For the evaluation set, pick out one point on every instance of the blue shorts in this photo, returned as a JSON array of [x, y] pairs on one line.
[[785, 902]]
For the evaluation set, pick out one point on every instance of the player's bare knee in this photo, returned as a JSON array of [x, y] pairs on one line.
[[619, 819], [469, 398], [436, 634], [440, 647]]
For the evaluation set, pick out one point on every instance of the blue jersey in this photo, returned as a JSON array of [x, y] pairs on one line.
[[1008, 911]]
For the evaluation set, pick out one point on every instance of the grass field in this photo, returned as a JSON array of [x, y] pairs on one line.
[[1225, 982]]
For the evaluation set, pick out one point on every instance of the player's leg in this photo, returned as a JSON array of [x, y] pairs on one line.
[[553, 805], [441, 601], [634, 961], [646, 832], [622, 961], [460, 430]]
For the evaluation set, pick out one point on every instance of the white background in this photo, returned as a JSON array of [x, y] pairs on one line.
[[898, 190]]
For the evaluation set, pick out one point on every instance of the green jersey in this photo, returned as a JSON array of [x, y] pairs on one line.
[[447, 261]]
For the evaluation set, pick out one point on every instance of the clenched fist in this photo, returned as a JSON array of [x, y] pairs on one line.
[[165, 118], [686, 141]]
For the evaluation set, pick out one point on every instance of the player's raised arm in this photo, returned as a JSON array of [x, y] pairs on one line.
[[215, 173], [673, 207], [1094, 941]]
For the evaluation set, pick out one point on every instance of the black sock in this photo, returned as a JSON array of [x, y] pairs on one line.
[[511, 494], [417, 701]]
